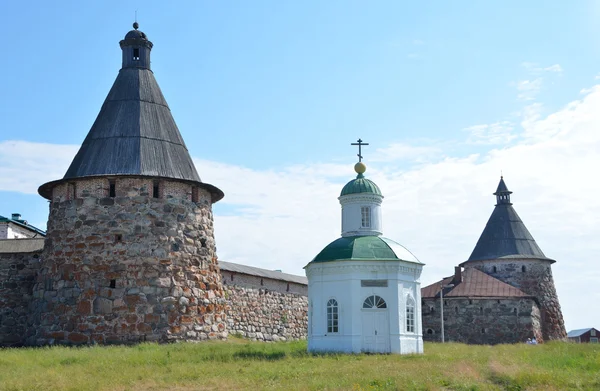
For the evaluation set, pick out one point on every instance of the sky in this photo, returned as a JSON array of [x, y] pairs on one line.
[[269, 95]]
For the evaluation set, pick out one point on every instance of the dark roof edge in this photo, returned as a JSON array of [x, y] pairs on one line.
[[26, 225], [506, 257], [45, 190]]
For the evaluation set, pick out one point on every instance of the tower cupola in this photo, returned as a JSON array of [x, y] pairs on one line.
[[361, 203], [136, 49], [502, 193]]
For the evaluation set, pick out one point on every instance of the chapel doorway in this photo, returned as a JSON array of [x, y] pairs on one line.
[[375, 325]]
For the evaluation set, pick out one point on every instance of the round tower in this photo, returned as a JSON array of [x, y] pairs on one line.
[[507, 251], [130, 252]]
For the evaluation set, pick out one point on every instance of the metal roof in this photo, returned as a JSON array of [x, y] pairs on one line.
[[21, 245], [505, 235], [134, 134], [474, 283], [365, 248], [579, 332], [255, 271], [22, 223], [360, 185]]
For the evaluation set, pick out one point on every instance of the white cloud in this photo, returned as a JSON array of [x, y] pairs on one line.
[[281, 218], [528, 89], [25, 165], [535, 69], [406, 152], [496, 133]]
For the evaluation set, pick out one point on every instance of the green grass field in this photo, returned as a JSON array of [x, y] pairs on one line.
[[241, 365]]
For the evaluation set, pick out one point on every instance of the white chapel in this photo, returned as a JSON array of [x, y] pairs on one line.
[[364, 290]]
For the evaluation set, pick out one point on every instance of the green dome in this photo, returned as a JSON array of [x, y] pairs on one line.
[[360, 185], [364, 248]]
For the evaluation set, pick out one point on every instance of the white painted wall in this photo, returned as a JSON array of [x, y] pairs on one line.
[[352, 217], [341, 280], [9, 230]]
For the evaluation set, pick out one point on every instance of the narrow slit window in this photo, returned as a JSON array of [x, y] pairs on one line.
[[118, 238], [136, 54], [113, 283], [365, 212], [155, 190], [194, 194], [523, 269], [112, 189]]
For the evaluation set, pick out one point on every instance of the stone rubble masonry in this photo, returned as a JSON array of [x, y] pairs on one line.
[[536, 280], [17, 275], [482, 320], [127, 268], [265, 309]]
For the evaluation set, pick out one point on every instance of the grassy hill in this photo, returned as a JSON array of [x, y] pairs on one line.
[[241, 365]]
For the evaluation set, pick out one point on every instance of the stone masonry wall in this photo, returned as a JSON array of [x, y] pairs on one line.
[[17, 276], [533, 277], [482, 320], [267, 314], [127, 268]]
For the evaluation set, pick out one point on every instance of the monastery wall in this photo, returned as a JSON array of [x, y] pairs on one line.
[[482, 320], [533, 277], [264, 309], [17, 275]]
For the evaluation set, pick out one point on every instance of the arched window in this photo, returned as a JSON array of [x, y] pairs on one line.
[[374, 302], [494, 269], [430, 331], [410, 315], [332, 316], [523, 269]]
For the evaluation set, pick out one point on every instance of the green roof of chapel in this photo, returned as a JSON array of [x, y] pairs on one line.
[[360, 185], [365, 248]]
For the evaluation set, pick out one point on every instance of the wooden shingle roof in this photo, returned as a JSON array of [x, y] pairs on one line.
[[505, 235], [134, 133]]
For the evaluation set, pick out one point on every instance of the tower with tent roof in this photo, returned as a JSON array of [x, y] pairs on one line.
[[505, 293], [130, 253]]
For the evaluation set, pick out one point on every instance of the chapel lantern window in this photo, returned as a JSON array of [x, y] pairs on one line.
[[365, 212]]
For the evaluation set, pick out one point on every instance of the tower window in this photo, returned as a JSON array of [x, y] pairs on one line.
[[523, 269], [112, 189], [136, 54], [155, 190], [332, 316], [113, 283], [365, 212], [194, 194], [494, 269], [430, 331]]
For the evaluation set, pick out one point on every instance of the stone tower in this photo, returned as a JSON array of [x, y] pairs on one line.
[[130, 253], [507, 251]]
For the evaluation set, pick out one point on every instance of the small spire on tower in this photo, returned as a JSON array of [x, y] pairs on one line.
[[502, 193]]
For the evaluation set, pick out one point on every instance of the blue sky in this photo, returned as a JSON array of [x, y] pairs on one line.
[[269, 95]]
